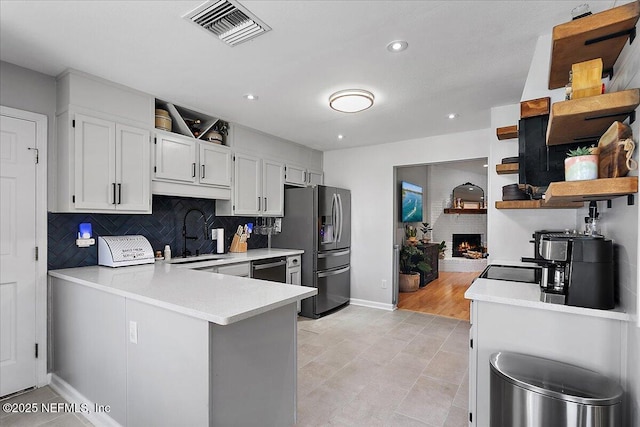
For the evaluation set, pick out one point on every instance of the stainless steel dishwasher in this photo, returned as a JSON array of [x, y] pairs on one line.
[[272, 269]]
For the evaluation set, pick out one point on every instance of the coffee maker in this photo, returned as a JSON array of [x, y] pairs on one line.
[[577, 269]]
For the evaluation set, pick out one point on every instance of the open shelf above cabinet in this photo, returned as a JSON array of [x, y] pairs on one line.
[[507, 132], [601, 35], [586, 119], [181, 117]]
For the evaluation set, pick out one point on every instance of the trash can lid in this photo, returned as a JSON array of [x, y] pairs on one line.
[[556, 379]]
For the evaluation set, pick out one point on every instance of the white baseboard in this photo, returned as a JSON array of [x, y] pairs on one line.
[[372, 304], [72, 395]]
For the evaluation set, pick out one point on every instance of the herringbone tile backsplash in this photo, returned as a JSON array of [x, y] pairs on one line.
[[162, 227]]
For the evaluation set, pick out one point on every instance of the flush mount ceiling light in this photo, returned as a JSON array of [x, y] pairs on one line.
[[351, 100], [397, 46]]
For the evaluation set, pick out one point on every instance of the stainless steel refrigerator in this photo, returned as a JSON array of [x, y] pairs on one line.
[[318, 220]]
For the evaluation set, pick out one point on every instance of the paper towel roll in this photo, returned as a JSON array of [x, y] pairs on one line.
[[220, 240]]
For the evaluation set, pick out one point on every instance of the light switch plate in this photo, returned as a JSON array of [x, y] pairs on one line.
[[133, 332]]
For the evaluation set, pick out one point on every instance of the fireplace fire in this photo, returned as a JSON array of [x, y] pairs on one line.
[[466, 242]]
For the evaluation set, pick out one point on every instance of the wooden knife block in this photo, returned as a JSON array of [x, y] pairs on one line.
[[237, 245]]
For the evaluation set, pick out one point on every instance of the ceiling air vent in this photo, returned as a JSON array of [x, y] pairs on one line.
[[227, 19]]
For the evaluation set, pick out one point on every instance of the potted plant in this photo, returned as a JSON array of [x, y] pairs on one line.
[[426, 232], [411, 233], [441, 248], [412, 262], [581, 164]]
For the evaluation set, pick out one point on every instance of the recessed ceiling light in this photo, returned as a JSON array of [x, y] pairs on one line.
[[340, 136], [351, 100], [251, 97], [397, 46], [452, 115]]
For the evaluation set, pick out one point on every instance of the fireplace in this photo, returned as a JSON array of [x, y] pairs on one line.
[[466, 242]]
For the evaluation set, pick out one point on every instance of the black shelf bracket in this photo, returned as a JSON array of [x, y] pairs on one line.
[[630, 200], [630, 32]]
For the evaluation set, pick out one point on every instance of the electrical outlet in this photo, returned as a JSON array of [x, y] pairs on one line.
[[384, 284], [133, 332]]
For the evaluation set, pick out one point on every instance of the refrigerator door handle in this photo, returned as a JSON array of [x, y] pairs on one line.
[[334, 217], [334, 272], [339, 216], [332, 254]]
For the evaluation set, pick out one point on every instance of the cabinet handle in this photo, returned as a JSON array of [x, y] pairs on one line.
[[202, 172], [113, 186], [265, 204], [258, 203], [119, 194], [305, 176], [193, 165]]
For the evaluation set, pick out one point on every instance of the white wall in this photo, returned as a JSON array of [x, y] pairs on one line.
[[369, 173]]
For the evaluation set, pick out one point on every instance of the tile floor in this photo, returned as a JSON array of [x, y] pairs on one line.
[[357, 367], [368, 367]]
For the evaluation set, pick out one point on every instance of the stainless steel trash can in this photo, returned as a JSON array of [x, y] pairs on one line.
[[528, 391]]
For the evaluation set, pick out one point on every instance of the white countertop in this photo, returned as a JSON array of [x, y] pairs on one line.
[[528, 295], [213, 297], [235, 257]]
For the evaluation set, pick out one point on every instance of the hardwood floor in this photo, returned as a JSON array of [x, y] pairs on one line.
[[443, 297]]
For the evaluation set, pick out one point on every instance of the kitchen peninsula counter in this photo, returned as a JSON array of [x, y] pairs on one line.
[[166, 345], [216, 298]]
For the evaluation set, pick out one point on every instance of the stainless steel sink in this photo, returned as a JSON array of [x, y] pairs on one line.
[[197, 258]]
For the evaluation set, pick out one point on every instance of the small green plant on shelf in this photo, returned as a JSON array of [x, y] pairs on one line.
[[581, 151]]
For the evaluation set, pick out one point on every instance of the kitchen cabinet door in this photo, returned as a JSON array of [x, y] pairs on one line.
[[295, 175], [94, 163], [272, 188], [247, 189], [175, 158], [133, 169], [215, 164], [315, 178]]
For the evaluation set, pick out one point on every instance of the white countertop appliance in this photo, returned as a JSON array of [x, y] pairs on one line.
[[119, 251]]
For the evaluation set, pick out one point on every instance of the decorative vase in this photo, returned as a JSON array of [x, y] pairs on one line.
[[441, 255], [412, 241], [580, 168], [409, 282]]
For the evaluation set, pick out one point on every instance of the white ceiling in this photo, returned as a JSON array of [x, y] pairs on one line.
[[463, 57]]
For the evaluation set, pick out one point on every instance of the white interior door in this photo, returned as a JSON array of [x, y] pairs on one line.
[[18, 268]]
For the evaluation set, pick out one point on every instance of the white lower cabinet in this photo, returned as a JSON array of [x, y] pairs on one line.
[[185, 166], [258, 188], [294, 272], [111, 166]]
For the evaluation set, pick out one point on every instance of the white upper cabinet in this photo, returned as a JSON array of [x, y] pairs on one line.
[[111, 166], [215, 164], [299, 176], [102, 150], [176, 158], [258, 188]]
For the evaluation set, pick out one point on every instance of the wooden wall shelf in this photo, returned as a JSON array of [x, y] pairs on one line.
[[586, 119], [465, 211], [535, 204], [601, 35], [507, 168], [595, 189], [507, 132], [573, 194]]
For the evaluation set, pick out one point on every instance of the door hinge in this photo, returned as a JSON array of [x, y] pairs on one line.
[[471, 343], [36, 350], [73, 123], [37, 253]]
